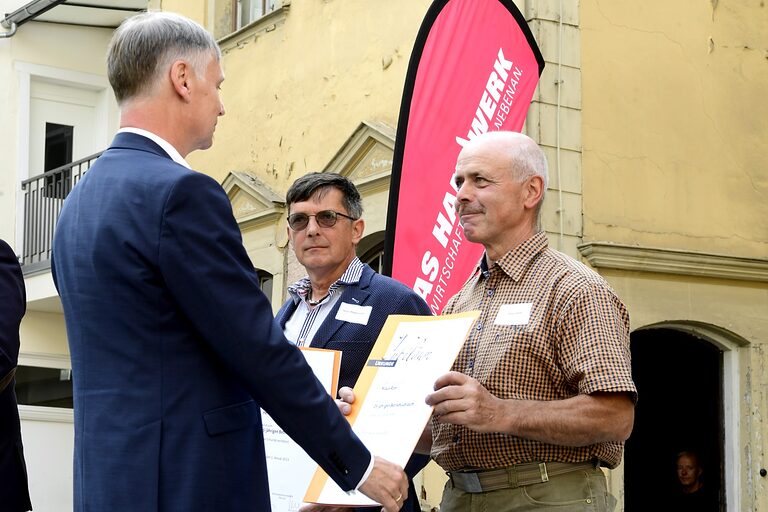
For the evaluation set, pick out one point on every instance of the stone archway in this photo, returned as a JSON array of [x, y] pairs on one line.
[[687, 378]]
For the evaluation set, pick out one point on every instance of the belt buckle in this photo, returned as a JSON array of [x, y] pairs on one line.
[[467, 482]]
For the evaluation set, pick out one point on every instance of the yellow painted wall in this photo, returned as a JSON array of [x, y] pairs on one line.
[[296, 93], [675, 123], [674, 157], [196, 10], [43, 333]]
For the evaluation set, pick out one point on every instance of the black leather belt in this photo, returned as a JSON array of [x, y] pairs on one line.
[[514, 476]]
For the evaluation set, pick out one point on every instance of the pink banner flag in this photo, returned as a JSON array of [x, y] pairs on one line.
[[474, 68]]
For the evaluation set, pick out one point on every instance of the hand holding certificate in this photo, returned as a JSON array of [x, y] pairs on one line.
[[389, 413]]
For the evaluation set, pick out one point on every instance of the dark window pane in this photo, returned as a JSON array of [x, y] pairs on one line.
[[50, 387], [58, 145], [265, 283], [58, 152]]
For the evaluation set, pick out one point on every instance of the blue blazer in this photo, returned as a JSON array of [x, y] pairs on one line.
[[14, 492], [387, 297], [174, 347]]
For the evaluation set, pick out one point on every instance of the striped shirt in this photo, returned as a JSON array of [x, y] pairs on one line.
[[306, 320], [575, 340]]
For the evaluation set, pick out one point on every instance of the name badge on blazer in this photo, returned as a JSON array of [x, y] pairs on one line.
[[354, 313], [514, 314]]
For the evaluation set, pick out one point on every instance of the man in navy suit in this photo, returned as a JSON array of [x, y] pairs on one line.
[[14, 492], [173, 345], [342, 303]]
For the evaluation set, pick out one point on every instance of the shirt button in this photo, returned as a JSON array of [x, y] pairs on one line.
[[490, 293], [456, 438], [479, 326]]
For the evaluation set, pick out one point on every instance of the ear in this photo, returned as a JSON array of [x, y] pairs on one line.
[[358, 227], [533, 192], [290, 233], [181, 73]]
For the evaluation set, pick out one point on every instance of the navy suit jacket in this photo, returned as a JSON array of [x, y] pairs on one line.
[[14, 492], [174, 347], [387, 297]]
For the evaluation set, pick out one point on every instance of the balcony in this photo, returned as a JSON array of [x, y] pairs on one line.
[[44, 196]]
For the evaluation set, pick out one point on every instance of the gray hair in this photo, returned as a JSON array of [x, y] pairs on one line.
[[320, 183], [525, 156], [144, 46]]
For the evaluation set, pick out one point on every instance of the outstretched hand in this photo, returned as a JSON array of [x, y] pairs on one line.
[[387, 484]]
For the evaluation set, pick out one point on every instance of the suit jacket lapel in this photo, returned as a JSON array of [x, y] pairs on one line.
[[353, 294], [285, 312]]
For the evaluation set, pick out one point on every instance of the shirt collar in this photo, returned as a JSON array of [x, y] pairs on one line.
[[517, 260], [164, 144], [300, 289]]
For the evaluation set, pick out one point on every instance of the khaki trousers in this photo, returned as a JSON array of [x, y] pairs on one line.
[[583, 490]]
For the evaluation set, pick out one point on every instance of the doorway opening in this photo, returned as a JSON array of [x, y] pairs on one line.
[[680, 408]]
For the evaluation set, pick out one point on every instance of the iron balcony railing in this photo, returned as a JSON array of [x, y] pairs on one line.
[[44, 196]]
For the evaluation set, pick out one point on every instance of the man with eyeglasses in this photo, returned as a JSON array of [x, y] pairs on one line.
[[342, 303]]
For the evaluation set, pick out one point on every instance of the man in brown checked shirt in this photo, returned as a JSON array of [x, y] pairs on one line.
[[541, 395]]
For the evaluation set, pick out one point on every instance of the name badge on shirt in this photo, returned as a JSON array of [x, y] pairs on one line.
[[514, 314], [354, 313]]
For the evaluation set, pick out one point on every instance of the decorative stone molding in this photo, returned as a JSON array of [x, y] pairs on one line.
[[39, 413], [672, 261], [253, 202], [43, 360], [366, 157]]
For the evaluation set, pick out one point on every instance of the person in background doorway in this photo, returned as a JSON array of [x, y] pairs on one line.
[[692, 495]]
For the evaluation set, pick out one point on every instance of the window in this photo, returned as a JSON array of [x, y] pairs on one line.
[[370, 250], [47, 387], [265, 283], [374, 257], [251, 10], [58, 145], [232, 15], [58, 152]]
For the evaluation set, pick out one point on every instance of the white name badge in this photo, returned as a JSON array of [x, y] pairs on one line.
[[514, 314], [354, 313]]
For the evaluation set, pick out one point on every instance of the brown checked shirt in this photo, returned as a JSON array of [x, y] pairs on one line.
[[575, 340]]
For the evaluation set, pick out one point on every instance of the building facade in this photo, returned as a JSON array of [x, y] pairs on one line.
[[653, 123]]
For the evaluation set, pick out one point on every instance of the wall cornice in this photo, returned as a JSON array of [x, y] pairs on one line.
[[672, 261]]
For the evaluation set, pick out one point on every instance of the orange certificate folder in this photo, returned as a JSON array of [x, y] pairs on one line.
[[289, 468], [389, 413]]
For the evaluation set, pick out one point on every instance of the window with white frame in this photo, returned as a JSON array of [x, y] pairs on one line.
[[232, 15]]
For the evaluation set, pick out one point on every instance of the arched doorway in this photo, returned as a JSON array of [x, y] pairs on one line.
[[680, 408]]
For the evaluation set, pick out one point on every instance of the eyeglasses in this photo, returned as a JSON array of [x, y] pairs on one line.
[[325, 219]]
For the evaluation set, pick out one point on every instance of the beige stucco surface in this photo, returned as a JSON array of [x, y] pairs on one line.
[[674, 146], [294, 94], [44, 333], [674, 157]]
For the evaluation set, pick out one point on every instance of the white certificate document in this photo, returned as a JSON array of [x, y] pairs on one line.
[[389, 413], [289, 468]]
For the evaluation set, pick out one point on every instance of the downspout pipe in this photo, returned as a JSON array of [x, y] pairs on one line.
[[26, 13], [4, 35]]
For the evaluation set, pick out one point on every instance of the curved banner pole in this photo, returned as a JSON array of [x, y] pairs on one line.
[[474, 68]]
